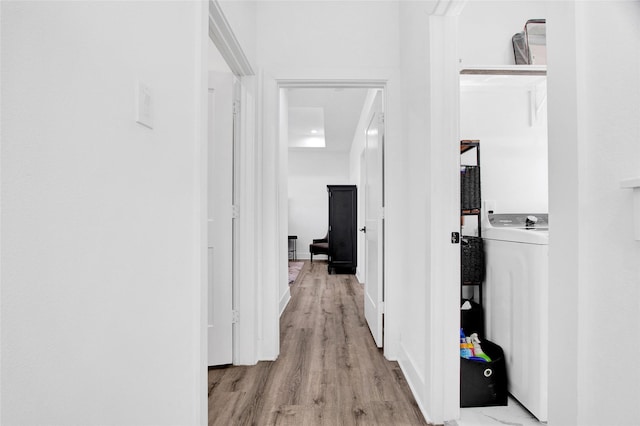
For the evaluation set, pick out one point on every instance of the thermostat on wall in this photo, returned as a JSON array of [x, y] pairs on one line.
[[144, 105]]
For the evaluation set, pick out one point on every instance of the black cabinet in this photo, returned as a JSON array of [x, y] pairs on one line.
[[343, 212]]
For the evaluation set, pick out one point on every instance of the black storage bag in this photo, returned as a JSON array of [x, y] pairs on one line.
[[484, 384], [472, 320]]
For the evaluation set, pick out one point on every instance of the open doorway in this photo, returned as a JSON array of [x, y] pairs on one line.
[[333, 135], [503, 116]]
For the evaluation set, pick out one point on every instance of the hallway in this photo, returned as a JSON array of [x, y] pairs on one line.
[[329, 371]]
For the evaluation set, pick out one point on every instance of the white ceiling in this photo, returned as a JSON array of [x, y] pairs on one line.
[[332, 113]]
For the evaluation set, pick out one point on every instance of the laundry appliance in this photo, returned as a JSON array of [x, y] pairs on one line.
[[516, 301]]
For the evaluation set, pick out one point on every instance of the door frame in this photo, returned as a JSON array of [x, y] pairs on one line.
[[377, 328], [274, 200], [221, 277], [213, 26]]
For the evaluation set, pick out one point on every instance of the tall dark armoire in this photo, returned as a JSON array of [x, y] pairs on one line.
[[343, 213]]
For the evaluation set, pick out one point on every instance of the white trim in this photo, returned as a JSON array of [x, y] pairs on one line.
[[245, 350], [443, 391], [247, 282], [283, 195], [331, 83], [225, 40], [267, 297], [284, 301], [394, 211], [307, 256], [272, 255], [414, 379], [200, 305]]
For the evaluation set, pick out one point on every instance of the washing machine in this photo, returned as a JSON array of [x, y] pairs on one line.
[[516, 301]]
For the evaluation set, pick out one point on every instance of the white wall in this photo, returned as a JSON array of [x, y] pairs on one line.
[[416, 119], [513, 149], [100, 216], [309, 174], [594, 268], [328, 35], [215, 61]]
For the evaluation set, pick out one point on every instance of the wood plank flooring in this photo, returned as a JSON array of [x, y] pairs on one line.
[[329, 371]]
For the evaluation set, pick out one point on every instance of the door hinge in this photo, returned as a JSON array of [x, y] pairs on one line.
[[381, 212], [235, 211], [381, 119], [236, 107], [381, 307], [235, 317]]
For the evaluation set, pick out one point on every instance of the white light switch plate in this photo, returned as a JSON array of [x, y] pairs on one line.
[[144, 105]]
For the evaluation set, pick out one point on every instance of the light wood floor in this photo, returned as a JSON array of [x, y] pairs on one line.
[[329, 371]]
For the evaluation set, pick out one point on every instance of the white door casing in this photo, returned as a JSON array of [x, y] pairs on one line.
[[219, 220], [269, 160], [374, 222]]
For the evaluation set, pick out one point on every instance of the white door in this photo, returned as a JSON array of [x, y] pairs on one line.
[[220, 218], [374, 222]]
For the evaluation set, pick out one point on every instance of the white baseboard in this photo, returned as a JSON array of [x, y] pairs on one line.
[[284, 300], [307, 256], [415, 379]]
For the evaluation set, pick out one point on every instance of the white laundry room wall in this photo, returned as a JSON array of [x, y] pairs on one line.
[[513, 142], [508, 114], [310, 171], [100, 234]]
